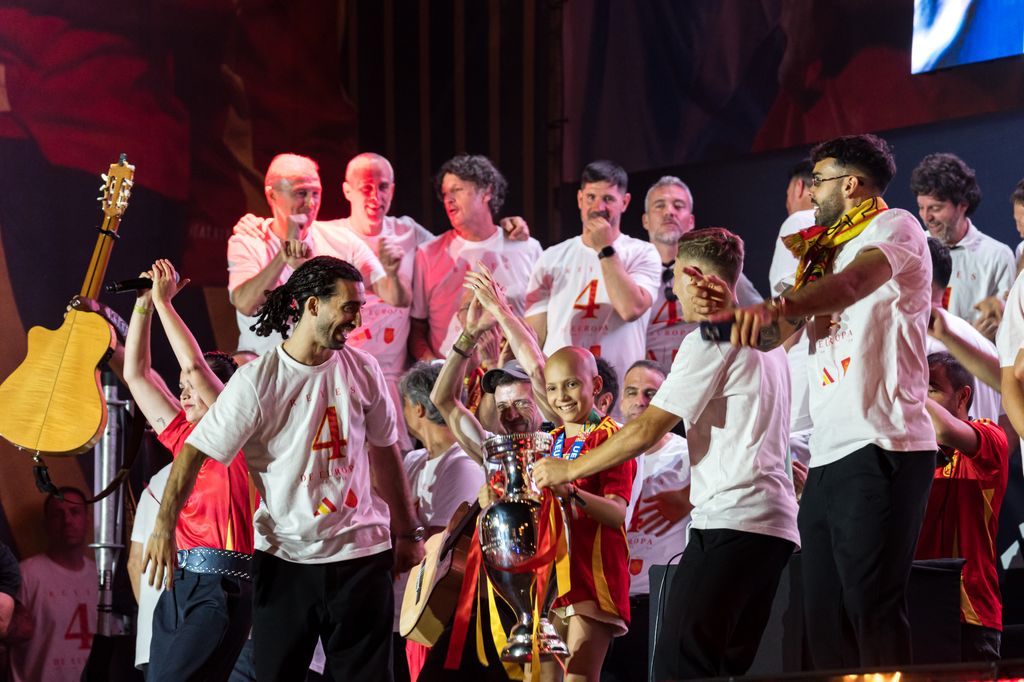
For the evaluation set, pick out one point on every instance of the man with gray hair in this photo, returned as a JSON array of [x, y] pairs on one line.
[[441, 475], [668, 215]]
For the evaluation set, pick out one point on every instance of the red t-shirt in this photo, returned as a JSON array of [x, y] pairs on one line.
[[598, 554], [962, 520], [218, 513]]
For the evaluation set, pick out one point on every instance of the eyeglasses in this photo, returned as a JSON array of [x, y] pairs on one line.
[[816, 181], [666, 279]]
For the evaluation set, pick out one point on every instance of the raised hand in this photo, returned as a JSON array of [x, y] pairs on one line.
[[166, 282], [390, 256], [515, 228], [295, 252], [709, 294]]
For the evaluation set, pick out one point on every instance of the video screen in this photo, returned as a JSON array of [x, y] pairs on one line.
[[953, 32]]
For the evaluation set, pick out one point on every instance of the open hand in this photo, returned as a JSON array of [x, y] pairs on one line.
[[250, 225]]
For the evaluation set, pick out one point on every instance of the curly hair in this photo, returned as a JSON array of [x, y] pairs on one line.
[[315, 277], [947, 178], [479, 170], [869, 154]]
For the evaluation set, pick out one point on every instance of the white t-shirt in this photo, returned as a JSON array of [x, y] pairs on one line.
[[782, 275], [567, 285], [868, 372], [667, 468], [441, 267], [1010, 337], [385, 330], [305, 432], [438, 486], [987, 403], [734, 403], [145, 520], [63, 606], [982, 267], [247, 256]]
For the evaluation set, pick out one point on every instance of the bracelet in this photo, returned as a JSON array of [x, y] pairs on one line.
[[468, 343], [142, 310]]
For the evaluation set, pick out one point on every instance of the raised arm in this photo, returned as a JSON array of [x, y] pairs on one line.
[[952, 432], [519, 336], [183, 343], [248, 296], [447, 392], [148, 389], [769, 323], [392, 288], [983, 365]]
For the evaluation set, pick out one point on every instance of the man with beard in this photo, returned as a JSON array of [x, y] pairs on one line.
[[472, 190], [863, 286], [983, 268], [319, 436], [668, 215], [594, 291]]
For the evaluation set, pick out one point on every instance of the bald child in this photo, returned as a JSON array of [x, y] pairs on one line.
[[596, 608]]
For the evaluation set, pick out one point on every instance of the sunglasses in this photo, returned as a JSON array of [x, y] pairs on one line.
[[666, 279]]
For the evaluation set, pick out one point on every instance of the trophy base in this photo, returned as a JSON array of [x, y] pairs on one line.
[[520, 644]]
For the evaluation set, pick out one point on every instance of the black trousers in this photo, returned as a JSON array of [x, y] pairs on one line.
[[627, 658], [199, 627], [347, 604], [718, 603], [859, 522]]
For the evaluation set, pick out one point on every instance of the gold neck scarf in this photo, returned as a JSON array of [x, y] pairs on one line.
[[817, 246]]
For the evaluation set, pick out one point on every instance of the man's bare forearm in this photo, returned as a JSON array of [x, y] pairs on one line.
[[629, 299], [447, 398], [390, 484], [393, 290], [179, 486], [248, 296]]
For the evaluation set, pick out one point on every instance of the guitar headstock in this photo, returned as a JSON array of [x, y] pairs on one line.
[[116, 188]]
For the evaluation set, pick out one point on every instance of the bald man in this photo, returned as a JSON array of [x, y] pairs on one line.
[[263, 252]]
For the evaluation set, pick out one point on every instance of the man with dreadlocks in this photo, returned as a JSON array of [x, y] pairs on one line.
[[199, 627], [863, 286], [318, 430]]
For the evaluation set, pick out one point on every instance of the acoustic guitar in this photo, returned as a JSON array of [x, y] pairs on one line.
[[432, 592], [53, 402]]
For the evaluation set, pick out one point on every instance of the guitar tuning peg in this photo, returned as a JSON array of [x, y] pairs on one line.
[[104, 177]]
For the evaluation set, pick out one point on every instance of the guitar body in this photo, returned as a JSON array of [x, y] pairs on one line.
[[53, 402], [432, 592]]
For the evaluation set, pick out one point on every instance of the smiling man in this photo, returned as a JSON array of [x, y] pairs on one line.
[[863, 288], [320, 441], [947, 194]]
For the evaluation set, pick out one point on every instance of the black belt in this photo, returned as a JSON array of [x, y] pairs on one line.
[[216, 561]]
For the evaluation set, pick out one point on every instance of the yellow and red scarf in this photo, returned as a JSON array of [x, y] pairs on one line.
[[817, 246]]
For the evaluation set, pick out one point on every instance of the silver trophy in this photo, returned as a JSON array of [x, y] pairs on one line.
[[508, 539]]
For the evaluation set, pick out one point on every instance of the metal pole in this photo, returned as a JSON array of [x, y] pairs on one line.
[[108, 519]]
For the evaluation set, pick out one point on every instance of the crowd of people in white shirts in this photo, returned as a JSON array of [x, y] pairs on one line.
[[827, 389]]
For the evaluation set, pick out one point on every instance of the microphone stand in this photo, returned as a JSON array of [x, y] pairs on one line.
[[108, 519]]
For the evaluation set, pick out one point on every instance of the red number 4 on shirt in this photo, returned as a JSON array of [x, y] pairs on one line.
[[78, 627], [588, 308], [331, 440]]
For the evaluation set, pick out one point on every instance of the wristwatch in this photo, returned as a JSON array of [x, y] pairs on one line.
[[417, 534], [606, 252]]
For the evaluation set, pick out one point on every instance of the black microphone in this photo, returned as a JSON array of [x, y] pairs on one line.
[[128, 285]]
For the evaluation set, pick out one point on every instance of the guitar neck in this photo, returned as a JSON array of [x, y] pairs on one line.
[[459, 529], [100, 258]]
